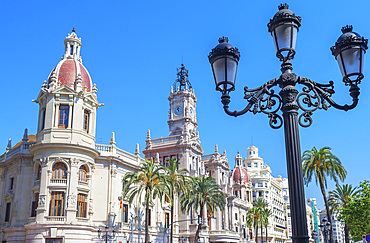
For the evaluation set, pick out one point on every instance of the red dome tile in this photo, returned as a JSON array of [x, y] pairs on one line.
[[86, 82], [67, 73], [240, 175]]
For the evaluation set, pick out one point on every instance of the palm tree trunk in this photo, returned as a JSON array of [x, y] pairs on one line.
[[327, 210], [257, 233], [266, 235], [346, 233], [199, 225], [146, 216], [171, 220], [261, 232]]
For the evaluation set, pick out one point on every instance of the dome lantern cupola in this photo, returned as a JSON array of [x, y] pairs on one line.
[[238, 160], [72, 46]]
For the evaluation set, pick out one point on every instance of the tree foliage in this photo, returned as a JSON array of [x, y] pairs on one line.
[[356, 213], [145, 183], [322, 164], [259, 215], [176, 183], [340, 197], [204, 192]]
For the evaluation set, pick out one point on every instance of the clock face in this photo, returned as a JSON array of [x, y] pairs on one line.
[[178, 110], [191, 112]]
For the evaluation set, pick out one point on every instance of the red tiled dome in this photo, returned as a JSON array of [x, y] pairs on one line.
[[67, 71], [240, 175]]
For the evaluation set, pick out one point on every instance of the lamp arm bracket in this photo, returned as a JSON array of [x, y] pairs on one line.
[[260, 100], [325, 91]]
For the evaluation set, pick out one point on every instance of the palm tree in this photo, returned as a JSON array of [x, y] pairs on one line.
[[254, 215], [253, 218], [204, 192], [176, 183], [261, 204], [339, 198], [322, 164], [148, 180], [266, 213]]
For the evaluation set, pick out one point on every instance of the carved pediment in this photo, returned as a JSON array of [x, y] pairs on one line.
[[64, 89]]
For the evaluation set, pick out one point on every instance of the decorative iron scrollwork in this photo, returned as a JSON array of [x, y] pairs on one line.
[[266, 101], [312, 97]]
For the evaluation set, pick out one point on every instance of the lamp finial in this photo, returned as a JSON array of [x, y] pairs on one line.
[[223, 39], [347, 28], [283, 6]]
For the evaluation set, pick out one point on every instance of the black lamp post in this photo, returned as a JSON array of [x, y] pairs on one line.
[[314, 235], [325, 227], [348, 50], [108, 235]]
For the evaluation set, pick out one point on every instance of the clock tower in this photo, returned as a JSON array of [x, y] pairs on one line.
[[182, 114]]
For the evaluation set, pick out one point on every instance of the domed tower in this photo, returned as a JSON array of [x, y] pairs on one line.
[[240, 180], [65, 152], [68, 100]]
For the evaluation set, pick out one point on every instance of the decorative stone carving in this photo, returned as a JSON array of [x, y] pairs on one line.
[[114, 170], [71, 200], [91, 211], [75, 162], [42, 199], [43, 161]]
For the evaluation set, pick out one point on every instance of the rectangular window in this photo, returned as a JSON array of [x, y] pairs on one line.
[[236, 216], [71, 49], [167, 220], [57, 204], [54, 240], [7, 212], [42, 119], [81, 206], [11, 183], [125, 213], [63, 116], [34, 205], [86, 120], [149, 217]]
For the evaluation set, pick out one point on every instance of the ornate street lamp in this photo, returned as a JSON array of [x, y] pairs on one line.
[[325, 227], [349, 50], [108, 235], [182, 239]]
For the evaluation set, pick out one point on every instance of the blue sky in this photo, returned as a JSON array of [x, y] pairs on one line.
[[132, 50]]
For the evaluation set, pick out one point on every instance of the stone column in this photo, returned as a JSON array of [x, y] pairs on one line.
[[43, 194], [72, 192]]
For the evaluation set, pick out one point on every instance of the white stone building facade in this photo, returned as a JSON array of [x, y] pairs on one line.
[[59, 186]]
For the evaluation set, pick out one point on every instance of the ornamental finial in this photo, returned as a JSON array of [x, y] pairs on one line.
[[73, 30], [347, 28], [283, 6], [223, 39], [182, 82]]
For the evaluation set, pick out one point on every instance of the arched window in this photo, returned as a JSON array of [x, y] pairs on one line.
[[38, 176], [59, 171], [82, 173]]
